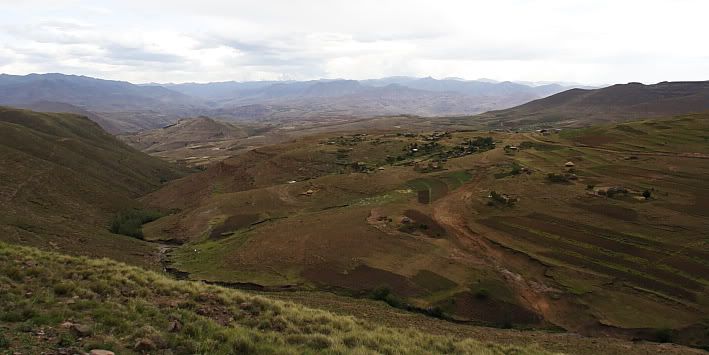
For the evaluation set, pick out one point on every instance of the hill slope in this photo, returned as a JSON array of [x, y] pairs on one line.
[[415, 213], [63, 177], [578, 107], [82, 304], [126, 106]]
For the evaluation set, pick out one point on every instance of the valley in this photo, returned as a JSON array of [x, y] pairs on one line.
[[546, 239], [364, 213]]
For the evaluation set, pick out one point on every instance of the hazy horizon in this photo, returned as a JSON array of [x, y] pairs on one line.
[[595, 43]]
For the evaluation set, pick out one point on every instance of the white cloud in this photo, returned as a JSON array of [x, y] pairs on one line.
[[589, 41]]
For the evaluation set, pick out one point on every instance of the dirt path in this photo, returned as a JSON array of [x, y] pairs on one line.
[[534, 294]]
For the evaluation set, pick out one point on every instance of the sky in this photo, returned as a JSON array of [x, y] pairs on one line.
[[591, 42]]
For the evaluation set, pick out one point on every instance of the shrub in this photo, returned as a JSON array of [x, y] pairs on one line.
[[482, 294], [557, 177], [130, 222], [384, 294], [663, 335], [66, 340], [63, 288], [516, 169], [4, 343], [380, 293]]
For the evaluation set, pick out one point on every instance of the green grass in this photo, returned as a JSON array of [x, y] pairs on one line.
[[121, 305]]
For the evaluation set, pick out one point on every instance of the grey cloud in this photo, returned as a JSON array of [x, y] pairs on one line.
[[121, 53]]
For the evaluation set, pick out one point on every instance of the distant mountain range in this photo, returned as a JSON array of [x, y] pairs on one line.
[[579, 107], [122, 107]]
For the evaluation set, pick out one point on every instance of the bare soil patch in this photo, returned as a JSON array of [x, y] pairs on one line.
[[468, 305], [362, 279], [608, 210]]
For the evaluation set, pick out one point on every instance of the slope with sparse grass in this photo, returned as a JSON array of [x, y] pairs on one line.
[[63, 178], [53, 302]]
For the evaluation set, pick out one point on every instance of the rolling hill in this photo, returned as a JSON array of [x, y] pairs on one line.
[[64, 178], [580, 107], [448, 224], [201, 140], [57, 303], [121, 106]]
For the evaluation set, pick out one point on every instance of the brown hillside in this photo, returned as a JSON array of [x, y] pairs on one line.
[[578, 107]]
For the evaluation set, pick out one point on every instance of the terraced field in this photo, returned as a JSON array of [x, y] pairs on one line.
[[407, 219]]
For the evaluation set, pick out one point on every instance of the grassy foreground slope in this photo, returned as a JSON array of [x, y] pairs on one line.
[[63, 177], [53, 302]]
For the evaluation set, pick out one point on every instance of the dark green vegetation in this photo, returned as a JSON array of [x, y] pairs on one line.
[[131, 222], [63, 178], [80, 304]]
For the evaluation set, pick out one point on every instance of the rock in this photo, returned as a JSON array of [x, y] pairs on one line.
[[80, 330], [66, 325], [101, 352], [245, 305], [175, 326], [30, 263], [144, 345], [406, 220]]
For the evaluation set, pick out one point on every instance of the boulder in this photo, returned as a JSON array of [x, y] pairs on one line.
[[175, 326], [80, 330], [101, 352]]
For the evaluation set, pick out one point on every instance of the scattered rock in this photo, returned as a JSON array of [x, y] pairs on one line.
[[144, 345], [80, 330], [175, 326], [101, 352]]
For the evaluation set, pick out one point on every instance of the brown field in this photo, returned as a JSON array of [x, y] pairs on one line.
[[330, 209]]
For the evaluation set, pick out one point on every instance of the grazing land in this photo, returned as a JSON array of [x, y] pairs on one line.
[[615, 246], [511, 239]]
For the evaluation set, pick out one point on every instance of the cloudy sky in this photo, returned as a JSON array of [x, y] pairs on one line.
[[594, 42]]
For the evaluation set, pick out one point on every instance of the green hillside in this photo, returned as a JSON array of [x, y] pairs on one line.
[[63, 178]]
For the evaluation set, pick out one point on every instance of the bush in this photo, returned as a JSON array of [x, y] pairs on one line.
[[4, 343], [557, 177], [663, 335], [384, 294], [482, 294], [63, 288], [130, 222]]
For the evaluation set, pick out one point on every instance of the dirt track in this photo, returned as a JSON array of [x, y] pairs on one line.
[[531, 289]]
